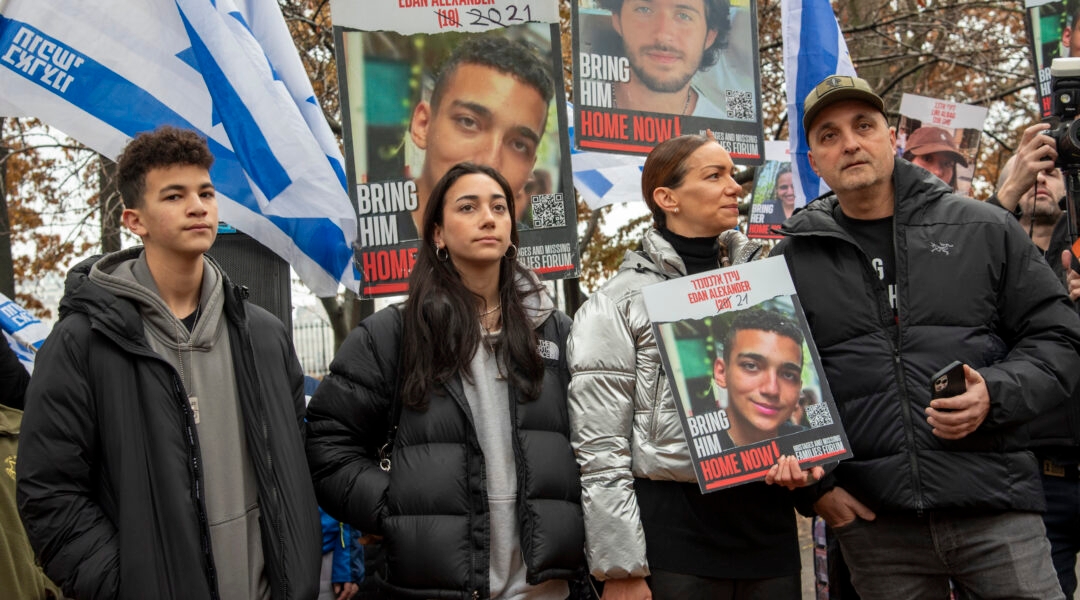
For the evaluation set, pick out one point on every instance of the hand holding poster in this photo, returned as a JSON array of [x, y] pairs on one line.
[[942, 137], [745, 373]]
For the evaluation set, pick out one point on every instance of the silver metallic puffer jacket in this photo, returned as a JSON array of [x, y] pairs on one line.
[[623, 419]]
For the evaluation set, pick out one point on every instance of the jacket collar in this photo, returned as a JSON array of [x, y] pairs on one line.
[[915, 191], [658, 256]]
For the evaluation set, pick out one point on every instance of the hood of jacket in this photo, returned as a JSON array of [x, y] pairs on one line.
[[536, 302], [120, 315], [127, 275]]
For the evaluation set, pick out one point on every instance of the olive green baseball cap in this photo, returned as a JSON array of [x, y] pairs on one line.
[[834, 89]]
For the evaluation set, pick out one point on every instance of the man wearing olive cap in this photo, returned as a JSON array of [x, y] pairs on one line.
[[898, 277]]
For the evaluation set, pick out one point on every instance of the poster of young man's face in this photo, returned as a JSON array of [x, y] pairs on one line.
[[415, 105], [649, 70], [752, 366]]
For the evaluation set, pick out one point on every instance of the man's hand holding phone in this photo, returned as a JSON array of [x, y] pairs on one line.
[[954, 417]]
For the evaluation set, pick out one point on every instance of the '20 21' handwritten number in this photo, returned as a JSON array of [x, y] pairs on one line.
[[495, 17]]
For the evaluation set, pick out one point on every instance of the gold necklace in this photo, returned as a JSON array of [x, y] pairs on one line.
[[488, 312], [686, 105]]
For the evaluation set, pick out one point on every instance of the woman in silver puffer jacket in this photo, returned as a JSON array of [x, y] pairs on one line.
[[644, 514]]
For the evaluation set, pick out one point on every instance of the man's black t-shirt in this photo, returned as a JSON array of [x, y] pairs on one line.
[[875, 237]]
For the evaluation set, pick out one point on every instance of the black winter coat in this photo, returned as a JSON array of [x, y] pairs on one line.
[[109, 479], [432, 507], [970, 286]]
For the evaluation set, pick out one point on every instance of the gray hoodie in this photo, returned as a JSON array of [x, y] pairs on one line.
[[489, 402]]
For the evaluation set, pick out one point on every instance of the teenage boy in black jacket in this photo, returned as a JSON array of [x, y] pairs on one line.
[[162, 453]]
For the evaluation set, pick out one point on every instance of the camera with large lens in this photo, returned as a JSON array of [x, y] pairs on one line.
[[1065, 106]]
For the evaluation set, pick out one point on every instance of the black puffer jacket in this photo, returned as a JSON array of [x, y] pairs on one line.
[[432, 506], [110, 486], [970, 287]]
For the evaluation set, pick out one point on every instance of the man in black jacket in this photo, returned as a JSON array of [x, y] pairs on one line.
[[899, 277], [162, 452]]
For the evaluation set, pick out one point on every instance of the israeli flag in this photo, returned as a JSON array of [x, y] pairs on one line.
[[106, 70], [23, 331], [805, 66], [603, 178]]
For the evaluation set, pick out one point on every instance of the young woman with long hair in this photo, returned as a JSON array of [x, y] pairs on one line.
[[443, 425]]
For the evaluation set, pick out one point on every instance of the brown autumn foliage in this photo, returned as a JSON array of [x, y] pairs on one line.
[[44, 172], [972, 51]]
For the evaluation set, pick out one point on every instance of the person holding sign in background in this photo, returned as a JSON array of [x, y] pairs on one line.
[[644, 514], [443, 425]]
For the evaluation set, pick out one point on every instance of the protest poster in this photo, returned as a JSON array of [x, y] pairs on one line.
[[647, 72], [942, 137], [774, 198], [744, 371], [498, 102], [1051, 25]]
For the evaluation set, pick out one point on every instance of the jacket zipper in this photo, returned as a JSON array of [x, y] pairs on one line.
[[194, 462], [473, 448], [196, 468], [519, 469], [909, 431], [905, 409]]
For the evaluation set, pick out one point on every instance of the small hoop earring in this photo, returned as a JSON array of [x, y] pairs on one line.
[[511, 252], [445, 254]]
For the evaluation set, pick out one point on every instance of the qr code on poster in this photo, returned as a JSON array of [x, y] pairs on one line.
[[740, 105], [818, 415], [548, 210]]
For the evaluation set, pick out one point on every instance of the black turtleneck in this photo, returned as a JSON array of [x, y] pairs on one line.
[[698, 254]]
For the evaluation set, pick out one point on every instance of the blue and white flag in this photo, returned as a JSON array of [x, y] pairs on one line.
[[603, 178], [24, 332], [805, 66], [106, 70]]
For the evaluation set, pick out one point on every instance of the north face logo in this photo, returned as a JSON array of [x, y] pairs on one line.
[[548, 349]]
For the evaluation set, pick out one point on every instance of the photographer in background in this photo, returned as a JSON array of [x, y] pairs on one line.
[[1033, 189]]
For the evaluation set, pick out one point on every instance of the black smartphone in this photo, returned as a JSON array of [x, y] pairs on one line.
[[949, 381]]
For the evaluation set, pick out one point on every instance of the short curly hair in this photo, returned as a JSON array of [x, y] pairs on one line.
[[717, 18], [165, 146]]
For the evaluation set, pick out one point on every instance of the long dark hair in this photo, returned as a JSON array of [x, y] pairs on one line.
[[441, 327]]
